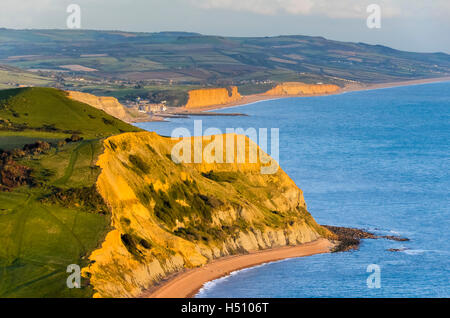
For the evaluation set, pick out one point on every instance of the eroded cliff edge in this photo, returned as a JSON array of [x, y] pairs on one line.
[[109, 105], [168, 216], [298, 88], [212, 96]]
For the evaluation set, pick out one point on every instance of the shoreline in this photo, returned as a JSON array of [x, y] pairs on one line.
[[187, 284], [251, 99]]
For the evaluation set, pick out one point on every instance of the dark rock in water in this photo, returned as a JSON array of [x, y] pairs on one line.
[[395, 238], [350, 232], [396, 249], [350, 238]]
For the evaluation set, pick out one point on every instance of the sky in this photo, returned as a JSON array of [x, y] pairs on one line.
[[412, 25]]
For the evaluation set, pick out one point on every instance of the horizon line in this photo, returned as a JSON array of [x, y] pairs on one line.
[[217, 35]]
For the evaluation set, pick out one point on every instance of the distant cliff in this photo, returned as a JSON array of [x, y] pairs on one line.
[[109, 105], [297, 88], [212, 96], [167, 216]]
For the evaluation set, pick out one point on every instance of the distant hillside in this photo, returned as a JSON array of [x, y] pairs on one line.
[[213, 96], [293, 88], [12, 77], [199, 59], [50, 212], [52, 111]]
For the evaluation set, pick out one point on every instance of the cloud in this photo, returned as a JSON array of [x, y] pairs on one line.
[[95, 13], [26, 13], [331, 8], [267, 7], [43, 13]]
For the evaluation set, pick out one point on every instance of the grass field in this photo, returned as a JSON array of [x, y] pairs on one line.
[[40, 237], [11, 77], [10, 140], [50, 110], [40, 240]]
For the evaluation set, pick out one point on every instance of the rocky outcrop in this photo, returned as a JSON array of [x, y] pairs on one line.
[[13, 174], [168, 216], [199, 98], [350, 238], [297, 88], [109, 105]]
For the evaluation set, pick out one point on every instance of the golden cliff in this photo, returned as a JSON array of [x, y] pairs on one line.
[[109, 105], [199, 98], [297, 88], [168, 216]]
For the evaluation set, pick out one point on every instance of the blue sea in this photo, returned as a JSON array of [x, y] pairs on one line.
[[377, 160]]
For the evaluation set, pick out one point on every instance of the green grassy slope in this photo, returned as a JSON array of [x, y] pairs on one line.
[[50, 110], [11, 77], [57, 221]]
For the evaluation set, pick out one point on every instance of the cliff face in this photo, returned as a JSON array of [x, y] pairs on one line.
[[109, 105], [297, 88], [169, 216], [212, 96]]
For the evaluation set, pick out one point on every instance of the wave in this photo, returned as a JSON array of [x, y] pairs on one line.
[[211, 284]]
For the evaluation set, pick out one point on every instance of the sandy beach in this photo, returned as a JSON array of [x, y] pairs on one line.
[[249, 99], [186, 284]]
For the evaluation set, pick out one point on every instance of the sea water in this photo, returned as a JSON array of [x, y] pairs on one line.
[[376, 160]]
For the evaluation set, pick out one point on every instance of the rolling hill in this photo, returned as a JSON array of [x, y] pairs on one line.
[[126, 64], [50, 212], [12, 77], [49, 110]]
